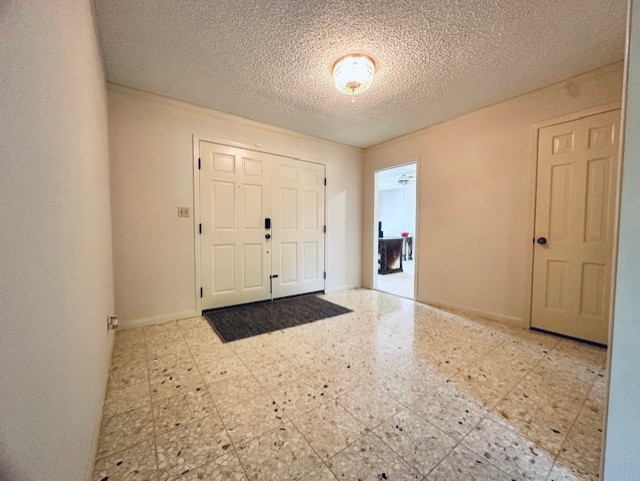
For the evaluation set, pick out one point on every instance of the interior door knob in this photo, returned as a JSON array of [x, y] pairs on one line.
[[541, 240], [267, 236]]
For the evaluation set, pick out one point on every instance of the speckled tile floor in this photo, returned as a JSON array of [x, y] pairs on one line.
[[392, 391]]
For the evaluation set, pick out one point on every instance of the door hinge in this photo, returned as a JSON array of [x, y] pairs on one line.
[[324, 229], [324, 275], [201, 293], [325, 181], [199, 164], [200, 228]]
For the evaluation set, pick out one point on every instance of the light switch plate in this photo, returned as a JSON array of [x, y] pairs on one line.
[[183, 211]]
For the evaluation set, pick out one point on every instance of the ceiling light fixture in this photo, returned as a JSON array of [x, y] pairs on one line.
[[353, 74], [403, 181]]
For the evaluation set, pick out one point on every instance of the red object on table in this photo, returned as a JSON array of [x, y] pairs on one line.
[[404, 234]]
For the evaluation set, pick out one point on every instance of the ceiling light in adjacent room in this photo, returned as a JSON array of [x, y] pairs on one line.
[[353, 74]]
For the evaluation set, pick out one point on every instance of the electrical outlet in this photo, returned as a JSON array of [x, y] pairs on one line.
[[112, 322], [183, 211]]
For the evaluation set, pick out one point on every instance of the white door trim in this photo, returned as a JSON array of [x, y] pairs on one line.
[[196, 221], [416, 253], [196, 201], [533, 168]]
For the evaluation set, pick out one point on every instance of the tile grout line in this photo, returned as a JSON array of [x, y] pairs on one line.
[[564, 442], [329, 399], [290, 419], [206, 386], [404, 407], [459, 442], [108, 418], [322, 460], [509, 428], [474, 362], [400, 454], [153, 420], [121, 388], [339, 352], [508, 392], [326, 401], [448, 379]]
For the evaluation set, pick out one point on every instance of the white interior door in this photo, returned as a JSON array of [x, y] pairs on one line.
[[574, 229], [235, 198], [298, 226]]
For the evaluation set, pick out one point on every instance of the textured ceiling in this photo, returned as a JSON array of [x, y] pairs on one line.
[[270, 60]]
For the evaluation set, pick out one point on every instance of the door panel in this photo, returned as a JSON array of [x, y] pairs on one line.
[[598, 190], [253, 266], [575, 205], [298, 227], [288, 212], [235, 197], [310, 255], [560, 202], [223, 163], [223, 268], [288, 263], [224, 205], [592, 302], [556, 285], [252, 202], [310, 210]]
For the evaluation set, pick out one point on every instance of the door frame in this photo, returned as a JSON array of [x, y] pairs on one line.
[[416, 254], [196, 139], [534, 130]]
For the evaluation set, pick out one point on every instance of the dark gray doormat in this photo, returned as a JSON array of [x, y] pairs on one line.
[[239, 322]]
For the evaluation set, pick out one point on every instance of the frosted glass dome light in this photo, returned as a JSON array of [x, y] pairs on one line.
[[353, 74]]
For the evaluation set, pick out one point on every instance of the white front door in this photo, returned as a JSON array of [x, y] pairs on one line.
[[298, 227], [242, 260], [235, 197], [574, 228]]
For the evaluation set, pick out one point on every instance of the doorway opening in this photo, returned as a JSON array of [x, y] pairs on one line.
[[395, 236]]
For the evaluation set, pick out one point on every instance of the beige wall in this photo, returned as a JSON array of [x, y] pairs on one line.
[[152, 174], [621, 460], [475, 197], [55, 241]]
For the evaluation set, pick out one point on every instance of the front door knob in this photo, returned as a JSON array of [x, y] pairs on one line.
[[267, 236], [541, 240]]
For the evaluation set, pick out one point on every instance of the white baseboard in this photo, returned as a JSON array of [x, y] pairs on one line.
[[150, 321], [329, 290], [512, 320]]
